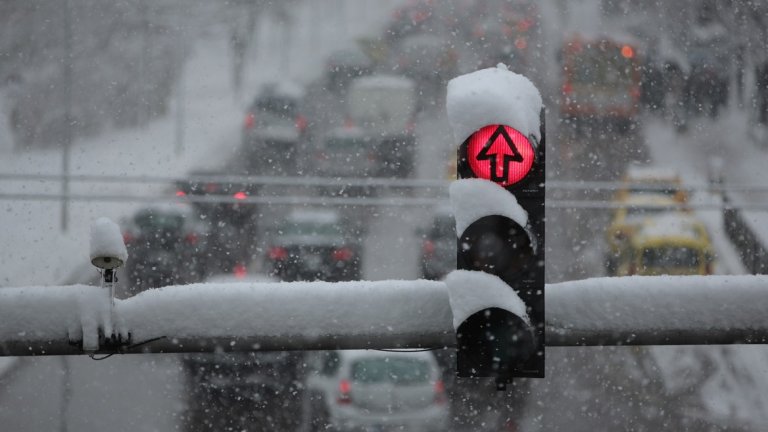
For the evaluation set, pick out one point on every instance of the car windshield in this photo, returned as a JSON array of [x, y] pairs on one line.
[[401, 371], [310, 229], [671, 257]]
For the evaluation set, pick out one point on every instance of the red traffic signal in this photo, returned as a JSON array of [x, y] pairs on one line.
[[500, 154]]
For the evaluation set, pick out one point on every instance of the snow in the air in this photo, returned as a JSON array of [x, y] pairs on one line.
[[493, 96]]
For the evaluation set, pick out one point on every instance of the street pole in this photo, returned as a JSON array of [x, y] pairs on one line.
[[67, 136]]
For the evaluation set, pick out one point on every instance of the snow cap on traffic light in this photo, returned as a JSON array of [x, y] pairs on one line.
[[493, 96], [473, 199]]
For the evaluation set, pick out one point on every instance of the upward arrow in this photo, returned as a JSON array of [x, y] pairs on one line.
[[500, 156]]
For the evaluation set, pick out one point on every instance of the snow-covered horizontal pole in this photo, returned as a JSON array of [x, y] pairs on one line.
[[658, 310], [390, 201], [578, 185], [685, 310], [231, 317]]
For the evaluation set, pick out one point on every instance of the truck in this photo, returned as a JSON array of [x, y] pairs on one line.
[[384, 108]]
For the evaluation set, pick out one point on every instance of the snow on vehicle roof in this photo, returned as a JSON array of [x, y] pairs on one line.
[[493, 96], [671, 224], [351, 355], [319, 216], [649, 199], [648, 173], [288, 89], [383, 80]]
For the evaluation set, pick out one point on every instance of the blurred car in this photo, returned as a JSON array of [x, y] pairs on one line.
[[274, 128], [166, 245], [255, 391], [232, 225], [384, 106], [632, 213], [438, 245], [673, 243], [348, 152], [375, 390], [345, 65], [311, 245]]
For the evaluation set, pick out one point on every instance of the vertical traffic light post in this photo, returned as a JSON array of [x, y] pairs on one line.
[[497, 293]]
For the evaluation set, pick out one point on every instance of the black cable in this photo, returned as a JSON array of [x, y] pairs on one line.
[[93, 356]]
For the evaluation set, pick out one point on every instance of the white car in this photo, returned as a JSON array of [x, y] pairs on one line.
[[374, 390]]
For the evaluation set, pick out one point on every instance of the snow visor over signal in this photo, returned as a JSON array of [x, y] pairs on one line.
[[497, 293]]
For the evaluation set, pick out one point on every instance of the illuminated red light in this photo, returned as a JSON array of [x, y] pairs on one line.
[[240, 271], [428, 247], [343, 254], [180, 193], [627, 51], [344, 389], [278, 254], [521, 43], [250, 120], [501, 154], [240, 195]]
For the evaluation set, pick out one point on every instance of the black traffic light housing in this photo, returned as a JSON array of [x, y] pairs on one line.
[[494, 342]]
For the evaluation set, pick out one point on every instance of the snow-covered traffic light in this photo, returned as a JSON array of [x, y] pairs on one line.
[[497, 293]]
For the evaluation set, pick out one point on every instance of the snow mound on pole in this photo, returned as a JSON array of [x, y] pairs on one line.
[[473, 199], [493, 96], [106, 240], [470, 292]]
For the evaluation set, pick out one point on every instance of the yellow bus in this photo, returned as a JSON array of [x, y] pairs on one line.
[[674, 243]]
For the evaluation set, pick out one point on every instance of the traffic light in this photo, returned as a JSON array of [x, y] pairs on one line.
[[496, 341]]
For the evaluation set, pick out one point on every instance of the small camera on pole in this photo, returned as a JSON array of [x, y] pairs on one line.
[[108, 252]]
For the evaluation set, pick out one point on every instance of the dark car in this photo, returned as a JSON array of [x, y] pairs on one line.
[[438, 247], [255, 391], [166, 245], [274, 128], [311, 245], [345, 65], [232, 224]]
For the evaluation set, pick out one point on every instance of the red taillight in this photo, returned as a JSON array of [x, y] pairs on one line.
[[349, 123], [240, 195], [342, 254], [635, 93], [181, 193], [524, 25], [301, 124], [278, 253], [128, 238], [521, 43], [428, 247], [440, 397], [344, 389], [240, 271], [250, 120], [191, 238], [567, 89]]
